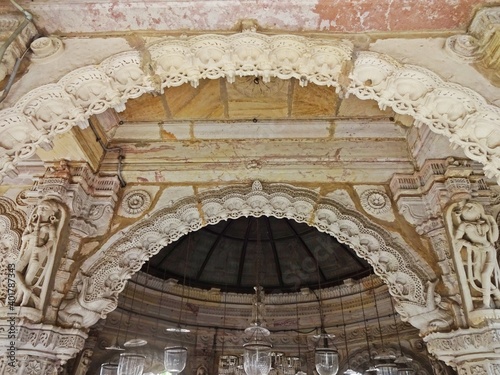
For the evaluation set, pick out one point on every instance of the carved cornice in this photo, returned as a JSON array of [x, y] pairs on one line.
[[52, 343], [55, 108], [460, 114], [452, 110], [466, 346], [420, 197]]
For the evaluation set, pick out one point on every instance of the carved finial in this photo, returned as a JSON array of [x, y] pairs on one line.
[[256, 186], [249, 25]]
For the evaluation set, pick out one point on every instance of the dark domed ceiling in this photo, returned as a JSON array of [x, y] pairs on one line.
[[285, 255]]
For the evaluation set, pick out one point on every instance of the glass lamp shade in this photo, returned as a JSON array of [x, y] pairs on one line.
[[257, 358], [387, 369], [327, 361], [131, 364], [109, 369], [175, 358]]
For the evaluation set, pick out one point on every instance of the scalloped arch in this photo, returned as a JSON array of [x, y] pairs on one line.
[[125, 252], [458, 113]]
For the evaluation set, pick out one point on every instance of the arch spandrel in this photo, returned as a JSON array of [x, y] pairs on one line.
[[458, 113], [104, 275]]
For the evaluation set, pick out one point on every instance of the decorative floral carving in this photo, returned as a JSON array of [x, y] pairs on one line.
[[375, 201], [452, 110], [135, 202], [125, 254]]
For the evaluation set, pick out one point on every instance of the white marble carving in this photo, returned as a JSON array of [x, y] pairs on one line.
[[37, 255], [470, 351], [125, 253], [433, 316], [135, 202], [474, 234], [8, 24], [46, 49], [452, 110], [375, 201], [467, 120]]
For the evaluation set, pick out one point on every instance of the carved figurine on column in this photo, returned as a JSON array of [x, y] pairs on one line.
[[37, 253], [476, 232]]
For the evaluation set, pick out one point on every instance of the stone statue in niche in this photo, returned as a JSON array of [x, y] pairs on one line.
[[37, 253], [474, 235]]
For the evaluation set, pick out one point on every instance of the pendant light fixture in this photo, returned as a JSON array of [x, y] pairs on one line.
[[131, 364], [175, 357], [385, 365], [136, 341], [371, 369], [109, 369], [298, 368], [349, 371], [114, 344], [326, 355], [257, 352]]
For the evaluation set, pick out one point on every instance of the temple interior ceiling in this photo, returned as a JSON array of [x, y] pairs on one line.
[[371, 138]]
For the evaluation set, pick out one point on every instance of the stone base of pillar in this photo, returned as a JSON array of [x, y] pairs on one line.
[[472, 351], [28, 348]]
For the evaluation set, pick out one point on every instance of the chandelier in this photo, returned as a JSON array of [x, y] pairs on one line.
[[257, 352]]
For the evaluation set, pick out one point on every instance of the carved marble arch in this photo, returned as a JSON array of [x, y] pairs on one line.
[[128, 250], [460, 114]]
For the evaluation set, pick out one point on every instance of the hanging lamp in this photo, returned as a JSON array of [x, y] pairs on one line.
[[371, 370], [385, 365], [349, 371], [326, 355], [137, 341], [299, 362], [175, 357], [257, 352], [131, 364]]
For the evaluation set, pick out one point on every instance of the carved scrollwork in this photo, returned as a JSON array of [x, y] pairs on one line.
[[126, 252], [452, 110]]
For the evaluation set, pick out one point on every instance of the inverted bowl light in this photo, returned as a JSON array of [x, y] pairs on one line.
[[175, 358]]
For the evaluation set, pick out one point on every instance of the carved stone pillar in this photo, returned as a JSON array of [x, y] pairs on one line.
[[65, 206], [421, 198], [473, 351], [27, 348]]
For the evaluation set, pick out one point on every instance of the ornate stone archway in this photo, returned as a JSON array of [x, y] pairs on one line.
[[458, 113], [104, 275]]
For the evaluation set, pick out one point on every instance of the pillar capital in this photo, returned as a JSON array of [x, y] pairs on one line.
[[27, 348], [470, 351]]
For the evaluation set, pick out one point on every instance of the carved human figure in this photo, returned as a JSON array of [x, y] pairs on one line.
[[38, 247], [477, 232]]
